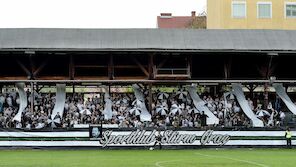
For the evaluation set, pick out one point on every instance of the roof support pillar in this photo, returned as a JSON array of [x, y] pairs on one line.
[[251, 88], [32, 97], [150, 67], [189, 65], [73, 89], [71, 68], [150, 97], [227, 68], [32, 65], [111, 67]]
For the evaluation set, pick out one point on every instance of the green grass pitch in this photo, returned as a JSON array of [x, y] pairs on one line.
[[147, 158]]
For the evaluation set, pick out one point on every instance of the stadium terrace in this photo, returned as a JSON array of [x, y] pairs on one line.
[[87, 82]]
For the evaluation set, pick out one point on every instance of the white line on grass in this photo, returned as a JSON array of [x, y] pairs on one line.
[[163, 162], [233, 159]]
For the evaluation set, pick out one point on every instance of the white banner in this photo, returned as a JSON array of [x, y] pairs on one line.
[[280, 90], [239, 94], [148, 138], [23, 101], [86, 133], [201, 106]]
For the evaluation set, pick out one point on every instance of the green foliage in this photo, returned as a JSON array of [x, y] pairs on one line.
[[167, 89], [199, 22]]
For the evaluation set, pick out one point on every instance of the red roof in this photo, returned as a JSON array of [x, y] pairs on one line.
[[166, 20], [174, 21]]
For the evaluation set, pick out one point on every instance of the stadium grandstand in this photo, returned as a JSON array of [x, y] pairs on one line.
[[67, 80]]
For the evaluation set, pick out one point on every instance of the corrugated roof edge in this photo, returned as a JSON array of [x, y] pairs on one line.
[[146, 39]]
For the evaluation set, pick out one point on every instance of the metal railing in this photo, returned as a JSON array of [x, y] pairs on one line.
[[171, 72]]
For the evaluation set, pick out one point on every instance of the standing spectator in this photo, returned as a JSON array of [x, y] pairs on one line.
[[2, 101], [158, 140], [288, 136], [277, 104], [250, 102], [282, 117], [203, 119]]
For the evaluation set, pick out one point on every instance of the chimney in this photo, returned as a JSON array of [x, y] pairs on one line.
[[165, 15], [193, 14]]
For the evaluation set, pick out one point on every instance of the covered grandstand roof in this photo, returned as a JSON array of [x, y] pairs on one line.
[[147, 39]]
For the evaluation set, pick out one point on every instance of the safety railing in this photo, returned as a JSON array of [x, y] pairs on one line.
[[171, 72]]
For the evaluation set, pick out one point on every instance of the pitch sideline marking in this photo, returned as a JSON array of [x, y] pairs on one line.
[[162, 162], [234, 159]]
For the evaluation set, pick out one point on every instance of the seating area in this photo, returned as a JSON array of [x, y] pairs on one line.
[[174, 108]]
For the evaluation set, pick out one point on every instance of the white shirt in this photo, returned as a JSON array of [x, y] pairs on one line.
[[236, 109], [251, 104], [28, 126], [9, 101], [18, 125], [80, 106], [2, 99], [269, 106], [282, 115], [220, 114]]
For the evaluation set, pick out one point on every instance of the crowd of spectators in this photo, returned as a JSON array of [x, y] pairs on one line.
[[174, 109]]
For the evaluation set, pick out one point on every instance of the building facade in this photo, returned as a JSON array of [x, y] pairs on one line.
[[251, 14], [167, 20]]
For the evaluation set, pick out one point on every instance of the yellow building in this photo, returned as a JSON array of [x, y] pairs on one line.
[[251, 14]]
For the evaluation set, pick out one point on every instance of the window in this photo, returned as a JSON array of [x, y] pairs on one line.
[[264, 10], [290, 10], [239, 9]]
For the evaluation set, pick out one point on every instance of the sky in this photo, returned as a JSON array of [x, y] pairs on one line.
[[91, 13]]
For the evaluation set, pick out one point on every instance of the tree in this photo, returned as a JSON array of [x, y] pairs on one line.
[[199, 22]]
